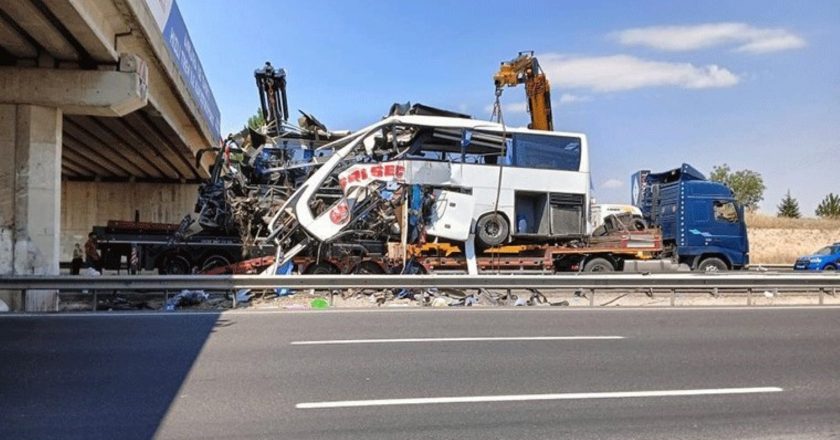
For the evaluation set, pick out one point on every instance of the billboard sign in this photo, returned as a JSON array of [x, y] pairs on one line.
[[177, 39]]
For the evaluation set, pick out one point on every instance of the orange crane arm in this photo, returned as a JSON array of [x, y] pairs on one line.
[[526, 69]]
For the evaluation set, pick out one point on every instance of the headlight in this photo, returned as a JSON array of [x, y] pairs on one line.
[[815, 260]]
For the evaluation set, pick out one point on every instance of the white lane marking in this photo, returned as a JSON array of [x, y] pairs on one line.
[[466, 339], [531, 397]]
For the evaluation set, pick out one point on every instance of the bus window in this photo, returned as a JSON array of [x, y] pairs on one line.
[[549, 152]]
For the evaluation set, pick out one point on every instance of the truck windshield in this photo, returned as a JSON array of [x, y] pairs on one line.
[[726, 211]]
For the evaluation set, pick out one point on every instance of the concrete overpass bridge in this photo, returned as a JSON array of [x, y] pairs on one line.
[[103, 105]]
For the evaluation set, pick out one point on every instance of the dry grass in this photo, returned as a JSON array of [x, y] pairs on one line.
[[776, 240], [764, 221]]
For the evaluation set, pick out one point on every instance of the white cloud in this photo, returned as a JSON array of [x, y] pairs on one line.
[[513, 107], [612, 184], [568, 98], [744, 37], [625, 72]]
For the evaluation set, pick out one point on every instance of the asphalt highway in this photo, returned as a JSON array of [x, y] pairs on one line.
[[444, 374]]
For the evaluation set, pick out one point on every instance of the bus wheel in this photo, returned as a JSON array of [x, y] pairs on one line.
[[491, 230], [712, 264], [176, 265], [598, 265]]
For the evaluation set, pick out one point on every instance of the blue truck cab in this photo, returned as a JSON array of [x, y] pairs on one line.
[[701, 222]]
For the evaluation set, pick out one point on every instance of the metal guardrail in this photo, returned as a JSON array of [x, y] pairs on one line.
[[584, 284], [580, 281]]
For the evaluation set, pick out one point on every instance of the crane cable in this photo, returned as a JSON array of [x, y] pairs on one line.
[[497, 114]]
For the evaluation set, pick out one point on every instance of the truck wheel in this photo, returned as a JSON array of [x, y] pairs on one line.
[[829, 268], [213, 262], [176, 265], [712, 264], [491, 230], [598, 265]]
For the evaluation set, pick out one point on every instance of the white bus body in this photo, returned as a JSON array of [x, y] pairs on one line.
[[537, 180]]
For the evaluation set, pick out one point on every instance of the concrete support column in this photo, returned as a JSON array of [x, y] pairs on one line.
[[30, 197]]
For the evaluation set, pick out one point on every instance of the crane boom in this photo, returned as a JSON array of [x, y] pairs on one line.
[[526, 69]]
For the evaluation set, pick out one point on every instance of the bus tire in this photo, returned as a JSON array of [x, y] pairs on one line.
[[491, 230], [598, 265]]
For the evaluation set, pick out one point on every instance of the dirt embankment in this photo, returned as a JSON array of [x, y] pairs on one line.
[[776, 240]]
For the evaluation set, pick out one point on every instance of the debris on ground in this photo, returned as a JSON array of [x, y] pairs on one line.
[[186, 298]]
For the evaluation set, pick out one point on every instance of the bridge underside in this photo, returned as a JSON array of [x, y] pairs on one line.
[[90, 92]]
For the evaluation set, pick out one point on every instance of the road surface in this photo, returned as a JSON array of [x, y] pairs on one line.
[[452, 374]]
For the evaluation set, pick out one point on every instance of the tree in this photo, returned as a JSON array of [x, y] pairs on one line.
[[829, 207], [256, 121], [789, 207], [747, 185]]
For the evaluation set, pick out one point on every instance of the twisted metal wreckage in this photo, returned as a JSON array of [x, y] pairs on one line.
[[255, 177], [344, 196], [421, 178]]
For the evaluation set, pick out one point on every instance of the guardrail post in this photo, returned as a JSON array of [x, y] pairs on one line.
[[673, 297], [95, 300], [822, 296], [233, 298], [591, 297], [749, 296], [165, 299], [331, 297]]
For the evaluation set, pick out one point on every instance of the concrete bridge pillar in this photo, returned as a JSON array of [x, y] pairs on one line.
[[30, 198]]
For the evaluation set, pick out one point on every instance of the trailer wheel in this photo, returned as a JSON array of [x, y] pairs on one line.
[[213, 262], [491, 230], [175, 265], [368, 268], [712, 264], [322, 268], [598, 265]]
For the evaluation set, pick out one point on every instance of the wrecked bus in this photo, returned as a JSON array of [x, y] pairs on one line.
[[461, 179]]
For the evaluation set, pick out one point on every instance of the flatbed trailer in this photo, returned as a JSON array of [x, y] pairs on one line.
[[596, 256], [127, 245], [600, 254]]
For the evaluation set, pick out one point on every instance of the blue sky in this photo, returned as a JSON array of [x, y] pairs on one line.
[[755, 84]]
